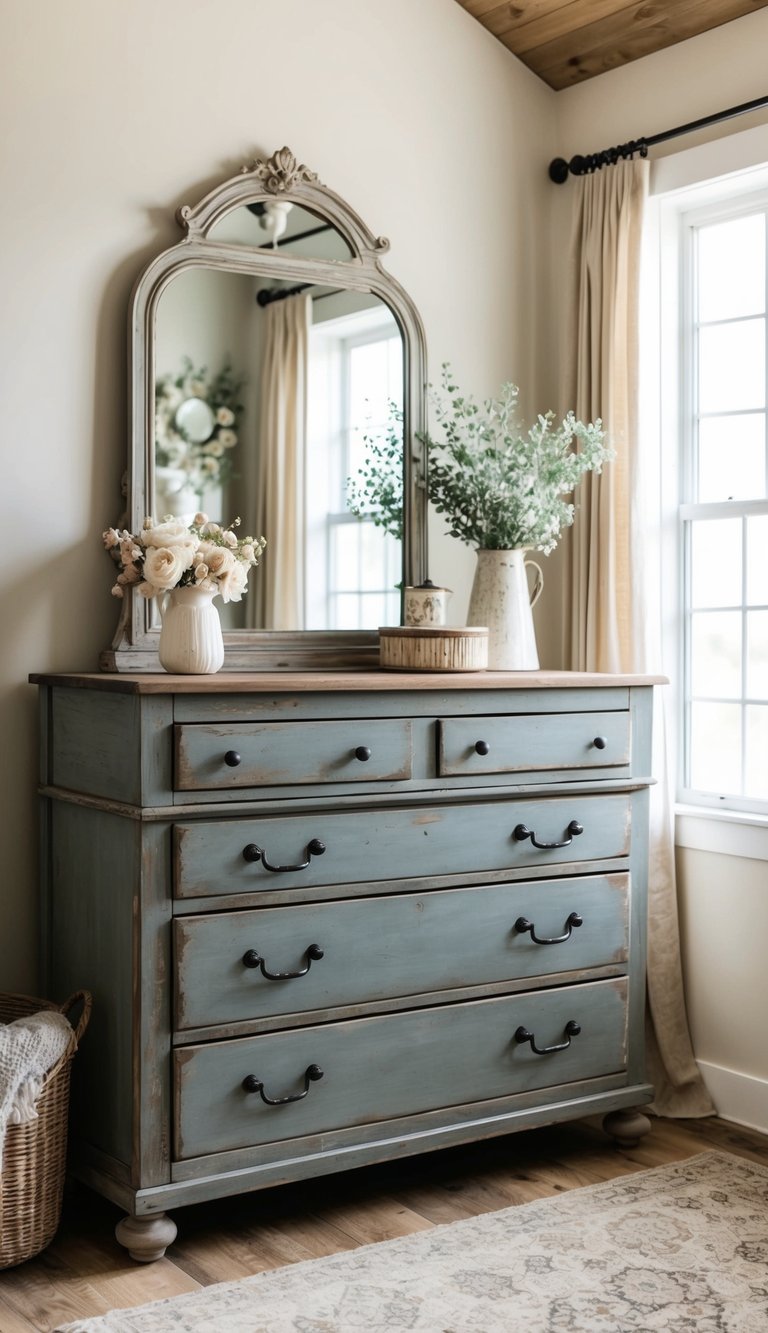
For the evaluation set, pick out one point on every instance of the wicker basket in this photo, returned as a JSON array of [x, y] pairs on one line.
[[34, 1155]]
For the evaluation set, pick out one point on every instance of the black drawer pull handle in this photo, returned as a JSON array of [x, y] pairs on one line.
[[253, 959], [254, 853], [599, 742], [362, 753], [482, 747], [522, 832], [523, 924], [253, 1084], [572, 1029], [232, 758]]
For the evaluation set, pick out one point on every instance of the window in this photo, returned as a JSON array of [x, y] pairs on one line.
[[723, 514]]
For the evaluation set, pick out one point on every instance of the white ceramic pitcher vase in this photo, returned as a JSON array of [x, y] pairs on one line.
[[191, 641], [501, 600]]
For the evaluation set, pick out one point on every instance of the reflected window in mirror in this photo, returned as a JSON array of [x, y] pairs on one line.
[[354, 559]]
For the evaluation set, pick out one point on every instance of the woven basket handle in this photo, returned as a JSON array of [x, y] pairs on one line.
[[83, 996]]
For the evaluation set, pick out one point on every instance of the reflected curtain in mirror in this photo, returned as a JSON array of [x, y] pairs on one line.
[[278, 595]]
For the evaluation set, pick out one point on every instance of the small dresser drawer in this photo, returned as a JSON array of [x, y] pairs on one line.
[[234, 966], [272, 754], [232, 856], [373, 1069], [533, 743]]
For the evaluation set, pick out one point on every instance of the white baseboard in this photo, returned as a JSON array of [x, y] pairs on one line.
[[737, 1097]]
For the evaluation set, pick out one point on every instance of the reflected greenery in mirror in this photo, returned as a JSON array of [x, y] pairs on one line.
[[268, 350]]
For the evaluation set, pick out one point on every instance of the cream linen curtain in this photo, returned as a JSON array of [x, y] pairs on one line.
[[607, 625], [279, 582]]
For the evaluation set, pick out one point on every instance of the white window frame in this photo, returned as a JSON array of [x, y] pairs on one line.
[[689, 510], [710, 173]]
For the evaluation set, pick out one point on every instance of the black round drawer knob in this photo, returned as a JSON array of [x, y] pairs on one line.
[[362, 753], [232, 758], [599, 742], [482, 747]]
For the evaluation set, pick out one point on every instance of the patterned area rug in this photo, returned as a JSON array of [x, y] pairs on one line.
[[679, 1249]]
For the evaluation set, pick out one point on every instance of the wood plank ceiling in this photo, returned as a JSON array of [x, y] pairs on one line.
[[568, 41]]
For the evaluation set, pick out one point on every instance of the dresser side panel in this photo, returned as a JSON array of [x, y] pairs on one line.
[[94, 873]]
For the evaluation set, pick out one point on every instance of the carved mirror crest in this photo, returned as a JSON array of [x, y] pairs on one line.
[[278, 375]]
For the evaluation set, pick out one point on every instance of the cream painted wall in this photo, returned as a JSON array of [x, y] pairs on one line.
[[116, 113], [723, 902]]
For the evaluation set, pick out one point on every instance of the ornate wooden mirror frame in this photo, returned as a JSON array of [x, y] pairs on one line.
[[281, 176]]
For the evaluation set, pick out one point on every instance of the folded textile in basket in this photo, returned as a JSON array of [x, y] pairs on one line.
[[29, 1047]]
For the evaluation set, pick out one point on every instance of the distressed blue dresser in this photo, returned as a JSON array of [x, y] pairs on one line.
[[330, 918]]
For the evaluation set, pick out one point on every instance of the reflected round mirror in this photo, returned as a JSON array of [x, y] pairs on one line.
[[279, 377], [194, 420]]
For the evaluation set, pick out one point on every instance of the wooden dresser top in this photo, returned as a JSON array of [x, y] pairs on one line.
[[296, 682]]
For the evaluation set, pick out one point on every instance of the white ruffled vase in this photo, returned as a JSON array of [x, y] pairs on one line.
[[501, 600], [191, 642]]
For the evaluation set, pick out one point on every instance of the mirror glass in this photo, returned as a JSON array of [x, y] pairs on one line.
[[277, 224], [274, 401]]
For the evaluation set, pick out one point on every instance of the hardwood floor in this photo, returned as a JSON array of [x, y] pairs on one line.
[[84, 1272]]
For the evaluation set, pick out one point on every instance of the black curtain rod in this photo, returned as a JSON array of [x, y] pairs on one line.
[[559, 169], [269, 294]]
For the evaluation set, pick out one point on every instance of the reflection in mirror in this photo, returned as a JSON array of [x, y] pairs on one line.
[[278, 224], [195, 421], [269, 395]]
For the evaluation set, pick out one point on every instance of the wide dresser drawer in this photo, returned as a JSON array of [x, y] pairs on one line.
[[233, 1094], [233, 856], [235, 966], [250, 754]]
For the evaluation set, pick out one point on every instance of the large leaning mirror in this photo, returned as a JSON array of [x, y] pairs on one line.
[[276, 366]]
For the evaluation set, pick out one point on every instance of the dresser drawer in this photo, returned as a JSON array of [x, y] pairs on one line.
[[375, 1069], [252, 754], [533, 743], [378, 948], [233, 856]]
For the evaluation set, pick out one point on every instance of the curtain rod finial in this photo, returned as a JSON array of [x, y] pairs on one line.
[[558, 170]]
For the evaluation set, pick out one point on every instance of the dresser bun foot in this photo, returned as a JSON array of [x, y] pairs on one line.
[[626, 1127], [146, 1238]]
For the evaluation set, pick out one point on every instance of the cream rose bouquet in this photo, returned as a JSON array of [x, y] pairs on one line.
[[172, 554]]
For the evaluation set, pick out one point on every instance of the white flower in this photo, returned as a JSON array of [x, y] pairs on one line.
[[225, 417], [232, 583], [147, 590], [201, 572], [131, 574], [200, 520], [129, 551], [219, 560], [227, 438], [215, 449], [164, 565], [117, 590], [171, 394], [229, 539], [171, 532], [111, 538], [209, 467], [211, 529], [248, 553]]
